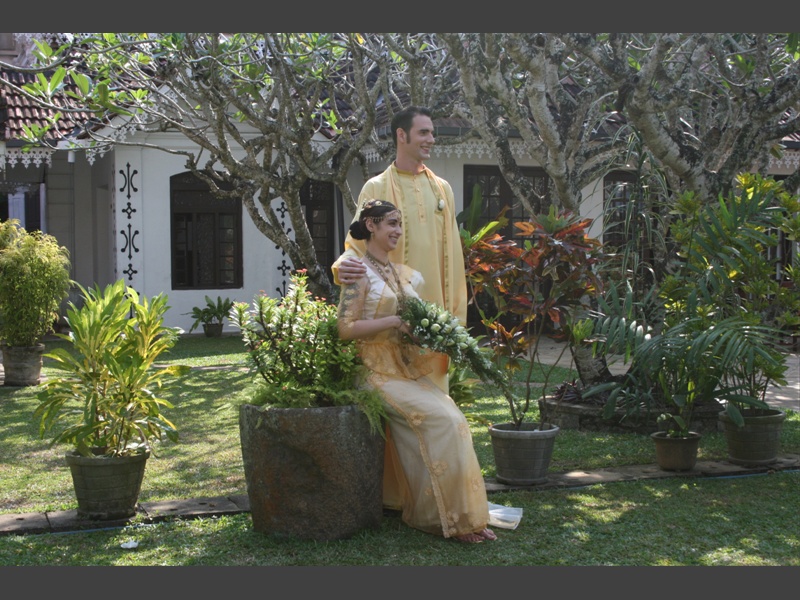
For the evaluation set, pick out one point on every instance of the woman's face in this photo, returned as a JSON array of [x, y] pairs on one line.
[[386, 233]]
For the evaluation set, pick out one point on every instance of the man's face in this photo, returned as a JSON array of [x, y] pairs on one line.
[[419, 141]]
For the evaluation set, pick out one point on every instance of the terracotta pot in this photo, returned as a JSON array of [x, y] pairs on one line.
[[676, 453]]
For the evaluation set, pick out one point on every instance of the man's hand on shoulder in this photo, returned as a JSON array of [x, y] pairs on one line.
[[351, 269]]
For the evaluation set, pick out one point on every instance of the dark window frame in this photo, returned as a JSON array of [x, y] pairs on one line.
[[198, 220], [318, 199], [617, 187], [497, 193]]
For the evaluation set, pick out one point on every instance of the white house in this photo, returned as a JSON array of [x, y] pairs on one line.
[[133, 213]]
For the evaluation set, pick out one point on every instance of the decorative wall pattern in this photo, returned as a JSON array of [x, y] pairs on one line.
[[128, 223], [789, 160], [479, 150], [469, 149], [284, 267], [36, 157]]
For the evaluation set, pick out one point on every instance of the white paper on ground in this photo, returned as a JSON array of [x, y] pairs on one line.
[[504, 517]]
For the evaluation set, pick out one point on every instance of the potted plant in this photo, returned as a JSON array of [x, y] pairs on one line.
[[675, 370], [34, 280], [312, 440], [211, 316], [724, 313], [540, 284], [107, 403], [736, 240]]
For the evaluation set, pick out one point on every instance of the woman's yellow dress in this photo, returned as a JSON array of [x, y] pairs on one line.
[[431, 470]]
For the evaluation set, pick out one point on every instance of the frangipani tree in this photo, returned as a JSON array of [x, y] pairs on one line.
[[268, 112]]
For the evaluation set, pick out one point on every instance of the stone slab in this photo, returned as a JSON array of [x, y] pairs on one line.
[[24, 523], [68, 520], [192, 507]]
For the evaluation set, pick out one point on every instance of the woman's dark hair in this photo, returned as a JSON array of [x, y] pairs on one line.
[[375, 210]]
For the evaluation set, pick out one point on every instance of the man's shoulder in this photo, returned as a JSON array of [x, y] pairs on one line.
[[440, 180], [378, 179], [382, 174], [435, 176]]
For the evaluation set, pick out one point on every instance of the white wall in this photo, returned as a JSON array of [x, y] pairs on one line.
[[151, 200]]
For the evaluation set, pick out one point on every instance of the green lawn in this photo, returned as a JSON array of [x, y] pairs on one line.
[[676, 521]]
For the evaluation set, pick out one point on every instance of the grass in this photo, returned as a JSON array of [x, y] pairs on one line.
[[676, 521]]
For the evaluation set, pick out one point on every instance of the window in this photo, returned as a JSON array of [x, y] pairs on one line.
[[317, 197], [206, 236], [21, 201], [781, 255], [617, 200], [496, 193]]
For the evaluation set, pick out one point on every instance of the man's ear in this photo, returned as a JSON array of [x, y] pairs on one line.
[[401, 135]]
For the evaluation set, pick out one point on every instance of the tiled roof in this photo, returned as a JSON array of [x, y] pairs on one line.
[[17, 110]]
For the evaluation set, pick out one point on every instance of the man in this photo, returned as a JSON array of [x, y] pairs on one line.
[[431, 243]]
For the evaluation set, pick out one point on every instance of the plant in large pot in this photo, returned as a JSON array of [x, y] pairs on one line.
[[734, 244], [540, 284], [34, 280], [675, 370], [312, 440], [211, 316], [724, 313], [728, 247], [107, 400]]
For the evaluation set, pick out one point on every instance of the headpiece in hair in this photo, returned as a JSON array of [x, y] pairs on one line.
[[372, 203], [369, 204]]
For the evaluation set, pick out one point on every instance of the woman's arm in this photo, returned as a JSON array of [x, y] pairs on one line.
[[351, 310], [363, 328]]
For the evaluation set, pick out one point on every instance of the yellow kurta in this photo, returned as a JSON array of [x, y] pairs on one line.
[[431, 243], [432, 473]]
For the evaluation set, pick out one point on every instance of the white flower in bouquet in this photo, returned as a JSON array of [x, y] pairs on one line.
[[435, 328]]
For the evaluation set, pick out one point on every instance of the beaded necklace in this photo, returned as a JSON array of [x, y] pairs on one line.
[[381, 269]]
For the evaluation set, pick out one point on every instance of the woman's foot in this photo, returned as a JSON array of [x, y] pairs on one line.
[[477, 537], [469, 538]]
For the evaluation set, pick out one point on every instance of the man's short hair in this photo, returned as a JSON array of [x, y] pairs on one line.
[[405, 119]]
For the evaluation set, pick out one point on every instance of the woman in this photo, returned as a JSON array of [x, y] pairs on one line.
[[432, 473]]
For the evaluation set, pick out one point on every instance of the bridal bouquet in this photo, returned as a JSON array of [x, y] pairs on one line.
[[437, 329]]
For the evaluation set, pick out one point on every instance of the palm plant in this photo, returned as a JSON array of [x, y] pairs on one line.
[[722, 306], [728, 248]]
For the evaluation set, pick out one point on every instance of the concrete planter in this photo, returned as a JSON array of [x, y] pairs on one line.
[[312, 473], [22, 365], [589, 417], [758, 441], [107, 488]]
